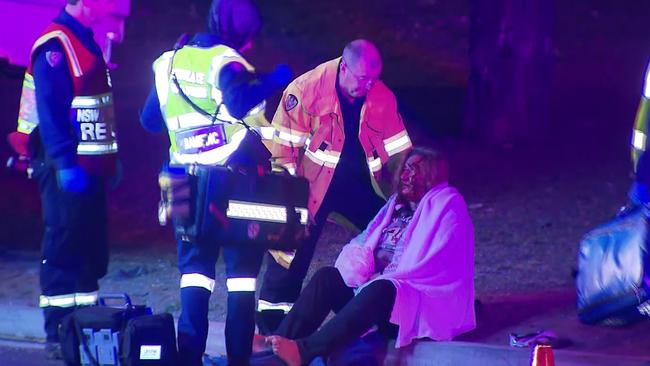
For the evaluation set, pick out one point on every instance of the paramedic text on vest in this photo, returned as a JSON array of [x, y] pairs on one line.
[[66, 125], [338, 126], [213, 75]]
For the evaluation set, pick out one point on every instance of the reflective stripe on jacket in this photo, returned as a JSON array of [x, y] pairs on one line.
[[310, 133], [640, 132], [194, 138], [91, 113]]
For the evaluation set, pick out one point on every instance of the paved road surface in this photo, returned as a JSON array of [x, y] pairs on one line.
[[24, 354]]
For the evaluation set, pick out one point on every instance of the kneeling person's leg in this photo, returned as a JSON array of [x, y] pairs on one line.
[[325, 292]]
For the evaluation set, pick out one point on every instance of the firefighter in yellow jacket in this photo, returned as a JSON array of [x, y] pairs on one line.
[[338, 126]]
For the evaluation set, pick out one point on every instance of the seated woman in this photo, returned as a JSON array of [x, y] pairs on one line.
[[412, 267]]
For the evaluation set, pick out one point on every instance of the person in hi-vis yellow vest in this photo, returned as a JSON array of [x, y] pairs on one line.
[[205, 90]]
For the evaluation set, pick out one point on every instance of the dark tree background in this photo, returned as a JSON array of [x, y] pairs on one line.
[[511, 61]]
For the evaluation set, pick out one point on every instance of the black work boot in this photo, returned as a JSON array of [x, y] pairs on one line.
[[53, 351]]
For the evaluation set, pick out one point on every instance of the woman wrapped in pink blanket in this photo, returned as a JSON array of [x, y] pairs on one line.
[[411, 269]]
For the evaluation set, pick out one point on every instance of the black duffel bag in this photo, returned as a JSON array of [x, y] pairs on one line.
[[229, 207], [99, 335], [612, 279], [242, 202], [149, 340]]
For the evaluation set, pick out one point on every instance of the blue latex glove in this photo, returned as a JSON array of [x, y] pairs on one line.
[[74, 180], [639, 194]]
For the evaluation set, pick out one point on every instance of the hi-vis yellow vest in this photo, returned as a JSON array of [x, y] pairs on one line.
[[195, 138], [640, 133]]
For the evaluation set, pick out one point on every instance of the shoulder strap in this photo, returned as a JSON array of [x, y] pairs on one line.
[[180, 43]]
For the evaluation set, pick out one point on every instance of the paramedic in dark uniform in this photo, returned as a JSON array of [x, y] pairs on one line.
[[66, 127]]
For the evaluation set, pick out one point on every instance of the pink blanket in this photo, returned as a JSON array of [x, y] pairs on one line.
[[435, 276]]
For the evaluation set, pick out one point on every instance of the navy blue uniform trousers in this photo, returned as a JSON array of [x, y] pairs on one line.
[[74, 246], [199, 256]]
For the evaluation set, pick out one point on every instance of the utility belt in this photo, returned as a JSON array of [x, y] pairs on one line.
[[235, 207]]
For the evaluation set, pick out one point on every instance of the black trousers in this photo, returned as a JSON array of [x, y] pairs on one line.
[[74, 246], [281, 285], [355, 315]]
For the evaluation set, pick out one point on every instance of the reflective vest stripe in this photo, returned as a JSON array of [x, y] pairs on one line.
[[65, 41], [374, 164], [260, 108], [68, 300], [397, 143], [267, 133], [86, 298], [292, 139], [27, 119], [28, 81], [96, 148], [197, 280], [639, 140], [240, 284], [212, 157], [96, 101], [262, 212], [161, 76], [61, 301], [226, 56], [263, 305], [646, 86], [290, 167], [25, 126], [286, 143], [320, 157]]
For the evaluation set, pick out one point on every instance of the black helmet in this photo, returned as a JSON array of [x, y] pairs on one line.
[[234, 21]]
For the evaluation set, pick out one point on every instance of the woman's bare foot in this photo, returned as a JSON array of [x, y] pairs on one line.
[[286, 349], [260, 344]]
